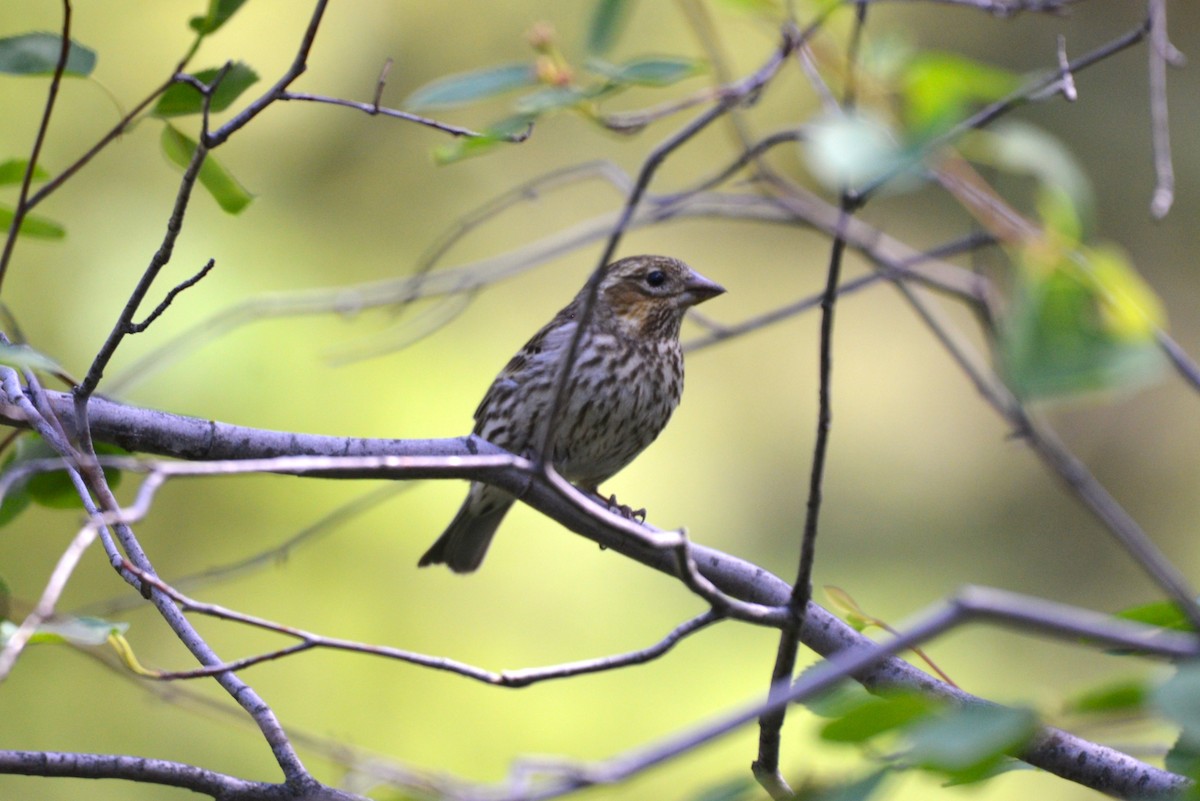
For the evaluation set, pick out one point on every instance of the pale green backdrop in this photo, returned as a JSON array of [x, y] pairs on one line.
[[924, 491]]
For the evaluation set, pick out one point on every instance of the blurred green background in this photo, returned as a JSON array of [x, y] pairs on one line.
[[925, 491]]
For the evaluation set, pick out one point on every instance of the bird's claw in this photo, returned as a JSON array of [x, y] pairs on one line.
[[625, 511]]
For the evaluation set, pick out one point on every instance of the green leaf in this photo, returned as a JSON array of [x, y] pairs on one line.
[[68, 629], [1024, 149], [970, 741], [468, 87], [1164, 614], [5, 600], [1122, 696], [230, 195], [608, 20], [469, 146], [15, 501], [219, 12], [838, 700], [16, 497], [13, 171], [53, 489], [550, 98], [183, 98], [940, 89], [1080, 320], [648, 70], [1178, 699], [32, 225], [879, 715], [38, 54], [843, 604], [23, 357], [1184, 759]]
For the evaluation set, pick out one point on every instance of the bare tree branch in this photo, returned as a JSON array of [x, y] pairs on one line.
[[160, 771]]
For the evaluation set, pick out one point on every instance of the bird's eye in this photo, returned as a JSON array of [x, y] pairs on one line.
[[656, 278]]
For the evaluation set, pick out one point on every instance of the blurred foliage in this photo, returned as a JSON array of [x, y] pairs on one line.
[[562, 85]]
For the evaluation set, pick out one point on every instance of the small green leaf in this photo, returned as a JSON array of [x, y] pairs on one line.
[[230, 195], [32, 225], [219, 12], [648, 70], [1024, 149], [940, 88], [68, 629], [53, 489], [15, 501], [842, 603], [1122, 696], [608, 20], [497, 134], [38, 54], [1178, 699], [968, 742], [1164, 614], [49, 488], [1184, 759], [550, 98], [24, 357], [13, 171], [1080, 320], [183, 98], [840, 699], [16, 497], [467, 87], [879, 715]]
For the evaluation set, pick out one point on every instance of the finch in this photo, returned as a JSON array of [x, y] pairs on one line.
[[626, 381]]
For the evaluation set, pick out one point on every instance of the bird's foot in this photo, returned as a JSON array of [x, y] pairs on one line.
[[626, 511]]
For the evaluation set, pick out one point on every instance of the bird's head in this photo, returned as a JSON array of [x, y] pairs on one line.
[[647, 296]]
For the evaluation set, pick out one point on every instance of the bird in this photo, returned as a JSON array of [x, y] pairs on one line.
[[626, 380]]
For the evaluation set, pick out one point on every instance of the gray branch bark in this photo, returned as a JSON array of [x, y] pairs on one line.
[[161, 433]]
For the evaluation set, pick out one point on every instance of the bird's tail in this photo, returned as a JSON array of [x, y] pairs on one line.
[[465, 541]]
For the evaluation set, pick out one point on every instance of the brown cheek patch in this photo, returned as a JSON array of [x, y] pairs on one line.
[[629, 305]]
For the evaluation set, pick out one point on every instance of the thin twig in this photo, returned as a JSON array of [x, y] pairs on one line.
[[766, 764], [1164, 172], [124, 324], [23, 205], [523, 677], [295, 70], [137, 328], [374, 109]]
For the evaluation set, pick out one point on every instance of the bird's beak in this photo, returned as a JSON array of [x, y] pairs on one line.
[[700, 289]]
